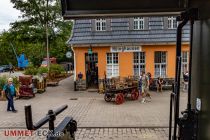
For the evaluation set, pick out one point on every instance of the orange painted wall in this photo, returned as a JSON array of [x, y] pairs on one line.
[[126, 64], [80, 59], [171, 57], [126, 59]]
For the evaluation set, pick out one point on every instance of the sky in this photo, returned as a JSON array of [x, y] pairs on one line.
[[8, 14]]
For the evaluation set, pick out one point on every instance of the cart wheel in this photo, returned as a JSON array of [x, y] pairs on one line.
[[107, 98], [137, 95], [118, 99], [133, 95], [123, 99]]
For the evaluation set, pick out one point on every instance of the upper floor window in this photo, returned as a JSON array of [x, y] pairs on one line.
[[100, 24], [138, 23], [172, 23]]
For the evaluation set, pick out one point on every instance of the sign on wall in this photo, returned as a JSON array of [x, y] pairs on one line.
[[125, 49]]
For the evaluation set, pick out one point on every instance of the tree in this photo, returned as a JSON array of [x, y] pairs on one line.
[[30, 33]]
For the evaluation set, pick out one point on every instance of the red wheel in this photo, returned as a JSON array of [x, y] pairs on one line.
[[137, 95], [123, 99], [118, 99], [133, 95]]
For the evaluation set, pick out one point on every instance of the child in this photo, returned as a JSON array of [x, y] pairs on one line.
[[159, 84]]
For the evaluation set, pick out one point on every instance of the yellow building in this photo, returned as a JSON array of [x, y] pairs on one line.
[[125, 47]]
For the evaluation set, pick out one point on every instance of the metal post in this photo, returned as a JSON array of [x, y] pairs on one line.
[[47, 41], [172, 99], [178, 71], [28, 117], [51, 120], [190, 65]]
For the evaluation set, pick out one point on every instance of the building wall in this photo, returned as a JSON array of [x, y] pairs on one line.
[[126, 59], [150, 53], [125, 64], [171, 54], [80, 59]]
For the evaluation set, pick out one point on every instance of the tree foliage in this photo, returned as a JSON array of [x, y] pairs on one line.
[[29, 33]]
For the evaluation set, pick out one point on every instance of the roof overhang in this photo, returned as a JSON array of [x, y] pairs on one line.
[[73, 9]]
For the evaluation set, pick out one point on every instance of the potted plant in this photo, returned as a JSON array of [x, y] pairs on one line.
[[3, 81]]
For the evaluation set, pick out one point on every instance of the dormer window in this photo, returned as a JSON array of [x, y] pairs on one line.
[[172, 23], [138, 23], [100, 24]]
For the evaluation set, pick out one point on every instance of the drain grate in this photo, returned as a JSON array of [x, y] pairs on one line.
[[73, 99]]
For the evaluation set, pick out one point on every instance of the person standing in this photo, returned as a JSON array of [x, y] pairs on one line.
[[186, 80], [10, 91], [11, 68], [144, 87], [140, 85]]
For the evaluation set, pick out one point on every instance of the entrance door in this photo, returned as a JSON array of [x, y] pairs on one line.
[[91, 66]]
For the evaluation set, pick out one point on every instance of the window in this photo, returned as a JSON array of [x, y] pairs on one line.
[[91, 57], [160, 64], [172, 23], [112, 68], [100, 24], [139, 62], [185, 61], [138, 23]]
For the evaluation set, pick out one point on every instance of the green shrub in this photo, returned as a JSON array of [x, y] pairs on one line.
[[56, 69], [42, 70], [31, 71], [16, 82], [3, 81]]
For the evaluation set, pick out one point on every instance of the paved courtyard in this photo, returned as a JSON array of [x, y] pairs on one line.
[[96, 118]]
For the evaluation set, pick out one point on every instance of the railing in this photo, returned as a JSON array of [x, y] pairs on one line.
[[67, 125]]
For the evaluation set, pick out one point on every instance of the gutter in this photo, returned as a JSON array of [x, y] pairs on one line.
[[123, 44], [72, 33]]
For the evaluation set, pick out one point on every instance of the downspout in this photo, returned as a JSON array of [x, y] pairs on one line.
[[178, 71], [72, 48], [72, 34]]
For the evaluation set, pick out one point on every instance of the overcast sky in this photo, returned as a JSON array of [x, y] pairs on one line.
[[7, 14]]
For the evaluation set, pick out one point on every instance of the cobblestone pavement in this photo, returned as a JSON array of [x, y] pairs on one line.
[[122, 134], [103, 134], [91, 111]]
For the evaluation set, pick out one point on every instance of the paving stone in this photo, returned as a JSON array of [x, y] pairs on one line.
[[91, 112]]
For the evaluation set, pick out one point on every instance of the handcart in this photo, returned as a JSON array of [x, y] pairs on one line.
[[39, 83], [119, 95], [26, 86]]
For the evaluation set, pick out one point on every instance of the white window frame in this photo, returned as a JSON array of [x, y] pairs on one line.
[[112, 64], [100, 24], [139, 62], [172, 23], [138, 23], [185, 61], [160, 65]]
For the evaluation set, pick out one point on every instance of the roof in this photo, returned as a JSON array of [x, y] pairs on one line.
[[120, 32]]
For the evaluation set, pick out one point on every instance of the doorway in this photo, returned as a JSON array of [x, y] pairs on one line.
[[91, 68]]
